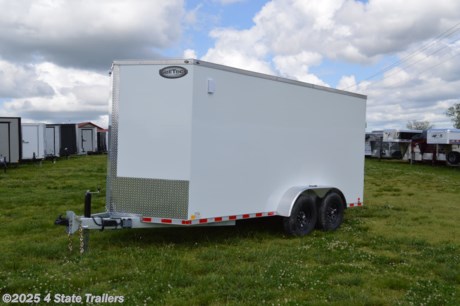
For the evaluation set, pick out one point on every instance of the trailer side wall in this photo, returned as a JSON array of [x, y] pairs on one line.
[[254, 138]]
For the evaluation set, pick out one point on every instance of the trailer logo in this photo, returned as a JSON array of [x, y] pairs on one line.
[[173, 72]]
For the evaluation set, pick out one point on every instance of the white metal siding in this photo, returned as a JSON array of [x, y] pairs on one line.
[[33, 140], [253, 139], [154, 124], [52, 140]]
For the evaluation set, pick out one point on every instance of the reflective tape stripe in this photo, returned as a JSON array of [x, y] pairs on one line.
[[207, 220]]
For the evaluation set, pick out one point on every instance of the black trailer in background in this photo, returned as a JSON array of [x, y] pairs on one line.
[[61, 139], [69, 143]]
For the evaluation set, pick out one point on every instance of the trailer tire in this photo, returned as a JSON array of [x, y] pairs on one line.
[[453, 158], [303, 216], [330, 215]]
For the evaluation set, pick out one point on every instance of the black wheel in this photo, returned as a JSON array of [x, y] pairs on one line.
[[453, 157], [303, 217], [330, 215]]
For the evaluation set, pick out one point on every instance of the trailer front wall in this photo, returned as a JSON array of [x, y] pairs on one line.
[[33, 141], [52, 140], [69, 144], [150, 174]]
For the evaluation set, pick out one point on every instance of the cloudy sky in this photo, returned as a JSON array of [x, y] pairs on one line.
[[404, 54]]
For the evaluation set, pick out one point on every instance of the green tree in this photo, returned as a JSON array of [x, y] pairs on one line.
[[454, 113], [419, 125]]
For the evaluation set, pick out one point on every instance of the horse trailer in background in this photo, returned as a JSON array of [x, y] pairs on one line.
[[33, 140], [10, 140], [372, 139], [392, 143], [447, 145], [220, 144]]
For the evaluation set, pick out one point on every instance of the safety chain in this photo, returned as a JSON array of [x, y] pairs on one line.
[[69, 235], [82, 242]]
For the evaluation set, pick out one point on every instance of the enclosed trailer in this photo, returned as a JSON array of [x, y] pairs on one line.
[[10, 139], [370, 141], [69, 142], [52, 140], [33, 140], [61, 139], [102, 140], [221, 144]]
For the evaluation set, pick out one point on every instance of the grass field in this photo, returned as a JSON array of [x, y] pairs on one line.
[[402, 248]]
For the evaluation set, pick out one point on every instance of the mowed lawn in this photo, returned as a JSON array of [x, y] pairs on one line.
[[401, 248]]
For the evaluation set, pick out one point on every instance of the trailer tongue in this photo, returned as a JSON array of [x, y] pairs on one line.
[[194, 143]]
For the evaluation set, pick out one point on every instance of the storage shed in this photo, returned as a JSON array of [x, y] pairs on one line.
[[88, 137]]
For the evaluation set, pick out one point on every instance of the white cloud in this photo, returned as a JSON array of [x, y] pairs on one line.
[[296, 66], [348, 83], [21, 81], [42, 39], [289, 37], [87, 33], [79, 95], [189, 53], [239, 49]]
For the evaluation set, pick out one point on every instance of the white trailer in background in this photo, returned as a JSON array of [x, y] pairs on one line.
[[221, 144], [53, 140], [33, 140], [10, 140], [447, 145]]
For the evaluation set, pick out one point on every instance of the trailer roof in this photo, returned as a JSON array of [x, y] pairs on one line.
[[235, 70], [445, 130]]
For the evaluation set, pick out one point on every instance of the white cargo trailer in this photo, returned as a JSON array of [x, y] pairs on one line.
[[33, 140], [10, 140], [52, 140], [221, 144]]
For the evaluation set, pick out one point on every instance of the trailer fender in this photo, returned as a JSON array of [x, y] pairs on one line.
[[290, 196]]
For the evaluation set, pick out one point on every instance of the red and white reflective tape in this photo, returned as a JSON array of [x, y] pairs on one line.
[[358, 203], [206, 220]]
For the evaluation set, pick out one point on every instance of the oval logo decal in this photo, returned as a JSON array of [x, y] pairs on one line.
[[173, 72]]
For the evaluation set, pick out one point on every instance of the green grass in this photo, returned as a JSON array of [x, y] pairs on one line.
[[401, 248]]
